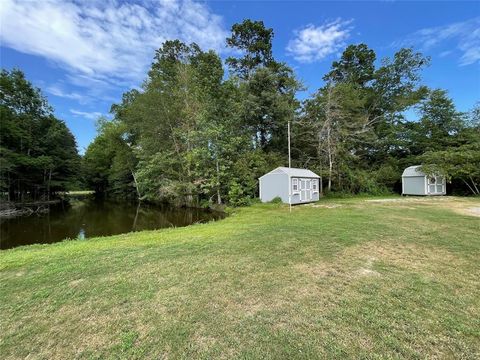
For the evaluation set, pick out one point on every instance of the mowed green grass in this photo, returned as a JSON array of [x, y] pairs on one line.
[[340, 279]]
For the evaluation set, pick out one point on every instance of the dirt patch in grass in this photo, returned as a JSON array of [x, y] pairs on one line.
[[367, 269], [325, 206], [431, 262], [459, 205], [250, 307], [472, 211], [93, 324], [204, 342], [367, 272], [415, 199], [76, 282], [368, 260]]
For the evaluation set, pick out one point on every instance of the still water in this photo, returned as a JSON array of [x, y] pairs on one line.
[[88, 218]]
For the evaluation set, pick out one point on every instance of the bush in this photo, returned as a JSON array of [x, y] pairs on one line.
[[236, 195], [357, 181]]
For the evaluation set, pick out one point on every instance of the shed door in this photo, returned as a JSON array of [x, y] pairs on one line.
[[440, 184], [436, 185], [431, 185], [305, 190]]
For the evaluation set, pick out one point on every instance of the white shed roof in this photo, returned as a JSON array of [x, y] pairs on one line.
[[413, 171], [293, 172]]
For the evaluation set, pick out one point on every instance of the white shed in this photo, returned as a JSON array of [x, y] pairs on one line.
[[415, 182], [293, 186]]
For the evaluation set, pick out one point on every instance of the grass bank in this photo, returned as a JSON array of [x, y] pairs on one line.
[[342, 278]]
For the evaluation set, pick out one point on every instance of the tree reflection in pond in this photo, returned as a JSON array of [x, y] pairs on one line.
[[89, 218]]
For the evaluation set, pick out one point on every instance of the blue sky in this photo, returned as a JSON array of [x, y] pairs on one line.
[[85, 54]]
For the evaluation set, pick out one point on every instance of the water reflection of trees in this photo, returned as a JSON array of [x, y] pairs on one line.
[[90, 218]]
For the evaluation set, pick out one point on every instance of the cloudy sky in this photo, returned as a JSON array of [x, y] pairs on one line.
[[85, 54]]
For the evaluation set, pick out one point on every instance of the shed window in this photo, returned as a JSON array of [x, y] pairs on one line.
[[314, 184], [294, 184], [431, 180]]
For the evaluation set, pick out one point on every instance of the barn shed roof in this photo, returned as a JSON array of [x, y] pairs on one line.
[[293, 172], [413, 171]]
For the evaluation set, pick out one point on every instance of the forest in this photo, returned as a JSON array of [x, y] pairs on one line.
[[200, 132], [38, 153]]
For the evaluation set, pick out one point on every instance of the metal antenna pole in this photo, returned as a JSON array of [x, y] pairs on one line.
[[289, 165], [289, 158]]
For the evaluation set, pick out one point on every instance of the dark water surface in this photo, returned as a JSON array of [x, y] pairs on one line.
[[88, 218]]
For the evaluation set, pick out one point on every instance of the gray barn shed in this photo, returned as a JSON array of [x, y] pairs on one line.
[[415, 182], [293, 186]]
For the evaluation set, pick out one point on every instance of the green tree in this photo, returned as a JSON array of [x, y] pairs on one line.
[[267, 87], [180, 124], [192, 131], [356, 66], [440, 122], [350, 124], [254, 40], [109, 163], [268, 103], [461, 163], [452, 141], [38, 153]]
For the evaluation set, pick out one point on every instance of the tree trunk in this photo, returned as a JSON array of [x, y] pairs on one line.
[[471, 189], [44, 183], [9, 188], [474, 185], [136, 185], [49, 181], [329, 123]]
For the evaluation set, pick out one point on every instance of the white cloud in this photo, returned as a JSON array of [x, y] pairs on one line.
[[87, 115], [109, 43], [462, 37], [314, 43], [60, 92]]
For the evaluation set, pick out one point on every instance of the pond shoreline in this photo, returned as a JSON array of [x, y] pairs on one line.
[[10, 210], [84, 217]]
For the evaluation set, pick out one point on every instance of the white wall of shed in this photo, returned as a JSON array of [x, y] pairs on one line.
[[274, 185], [414, 185]]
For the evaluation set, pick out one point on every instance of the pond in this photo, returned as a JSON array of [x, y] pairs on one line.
[[88, 217]]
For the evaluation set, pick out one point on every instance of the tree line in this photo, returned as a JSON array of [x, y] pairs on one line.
[[38, 153], [193, 136]]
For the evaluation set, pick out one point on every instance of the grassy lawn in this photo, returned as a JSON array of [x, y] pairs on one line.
[[344, 278]]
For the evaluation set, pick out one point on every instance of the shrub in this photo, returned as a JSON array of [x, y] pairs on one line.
[[236, 195]]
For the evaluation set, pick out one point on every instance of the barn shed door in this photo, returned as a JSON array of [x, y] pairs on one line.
[[436, 185], [305, 190], [440, 185]]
